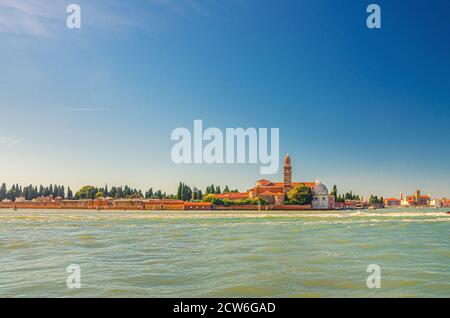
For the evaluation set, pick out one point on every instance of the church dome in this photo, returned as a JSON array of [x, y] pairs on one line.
[[320, 189], [287, 160]]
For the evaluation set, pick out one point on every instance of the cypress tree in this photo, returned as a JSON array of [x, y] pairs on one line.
[[180, 191], [69, 193], [3, 192]]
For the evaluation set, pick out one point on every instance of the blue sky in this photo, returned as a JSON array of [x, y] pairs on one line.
[[367, 110]]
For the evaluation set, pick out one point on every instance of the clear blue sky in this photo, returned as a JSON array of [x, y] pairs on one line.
[[367, 110]]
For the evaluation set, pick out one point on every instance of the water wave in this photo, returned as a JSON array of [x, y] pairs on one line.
[[46, 216]]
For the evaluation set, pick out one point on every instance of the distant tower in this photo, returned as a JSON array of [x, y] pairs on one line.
[[401, 196], [417, 196], [287, 184]]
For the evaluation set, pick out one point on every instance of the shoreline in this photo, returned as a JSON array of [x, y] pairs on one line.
[[214, 209], [218, 211]]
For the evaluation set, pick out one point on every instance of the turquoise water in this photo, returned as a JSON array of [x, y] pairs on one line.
[[224, 254]]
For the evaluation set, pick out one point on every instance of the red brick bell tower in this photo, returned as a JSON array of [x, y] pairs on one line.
[[287, 184]]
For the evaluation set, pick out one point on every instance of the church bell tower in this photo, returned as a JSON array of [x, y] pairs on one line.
[[287, 184]]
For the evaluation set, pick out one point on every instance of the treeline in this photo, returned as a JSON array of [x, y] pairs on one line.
[[212, 189], [122, 192], [186, 193], [346, 196], [375, 200], [31, 192], [227, 202], [158, 194]]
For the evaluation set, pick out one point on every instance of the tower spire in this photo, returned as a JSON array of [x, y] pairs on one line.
[[287, 172]]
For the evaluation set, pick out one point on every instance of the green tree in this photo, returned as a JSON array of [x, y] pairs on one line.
[[301, 194], [334, 192], [86, 192], [62, 192], [11, 194], [186, 193], [3, 192], [119, 193], [180, 191], [373, 199], [69, 193], [149, 194], [113, 192]]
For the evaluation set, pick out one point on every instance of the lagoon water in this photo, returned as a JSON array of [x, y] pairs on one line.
[[225, 254]]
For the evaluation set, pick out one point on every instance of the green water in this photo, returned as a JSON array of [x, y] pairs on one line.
[[225, 254]]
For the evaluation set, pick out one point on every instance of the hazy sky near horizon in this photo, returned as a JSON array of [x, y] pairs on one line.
[[367, 110]]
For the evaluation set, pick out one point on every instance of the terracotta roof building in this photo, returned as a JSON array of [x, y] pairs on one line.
[[415, 200], [275, 192], [391, 202]]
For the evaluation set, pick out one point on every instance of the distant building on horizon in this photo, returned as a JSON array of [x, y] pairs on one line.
[[392, 202], [415, 200]]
